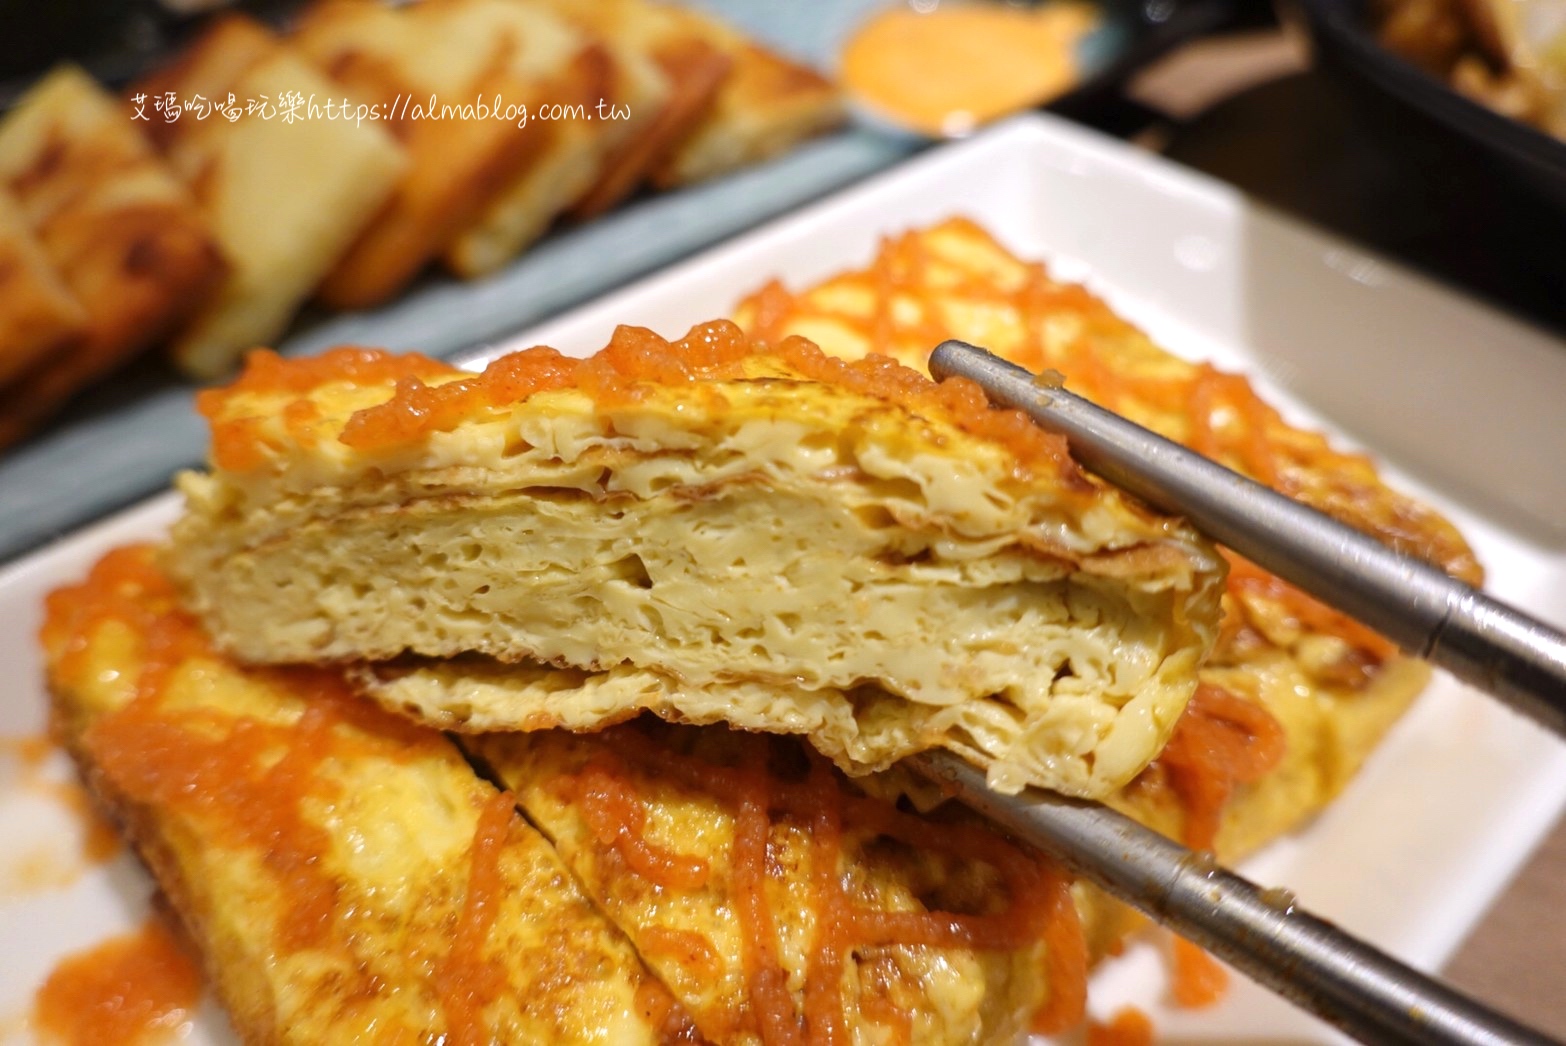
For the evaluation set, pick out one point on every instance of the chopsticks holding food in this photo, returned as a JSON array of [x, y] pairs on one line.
[[1495, 647], [1516, 658], [1343, 980]]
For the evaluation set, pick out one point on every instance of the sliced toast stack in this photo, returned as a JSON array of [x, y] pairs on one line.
[[335, 162]]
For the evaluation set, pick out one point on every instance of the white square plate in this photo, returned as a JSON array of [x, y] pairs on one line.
[[1459, 403]]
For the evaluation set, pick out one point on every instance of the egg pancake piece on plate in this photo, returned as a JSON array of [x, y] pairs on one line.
[[717, 513], [1295, 695], [345, 874], [781, 905]]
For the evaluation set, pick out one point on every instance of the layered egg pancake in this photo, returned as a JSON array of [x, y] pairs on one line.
[[344, 873], [1295, 695], [347, 876], [781, 905], [764, 535]]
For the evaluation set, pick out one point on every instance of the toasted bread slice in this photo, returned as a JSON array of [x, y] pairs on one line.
[[285, 197], [765, 106], [427, 68], [39, 319], [124, 235], [875, 550], [780, 904], [346, 876], [571, 150], [1279, 650]]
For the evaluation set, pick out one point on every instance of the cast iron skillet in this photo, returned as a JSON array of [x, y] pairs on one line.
[[1459, 130]]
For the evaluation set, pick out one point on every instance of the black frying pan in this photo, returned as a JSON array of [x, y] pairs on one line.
[[1345, 41], [1502, 182]]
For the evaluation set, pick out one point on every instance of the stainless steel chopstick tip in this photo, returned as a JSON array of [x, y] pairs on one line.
[[1346, 982], [1497, 648]]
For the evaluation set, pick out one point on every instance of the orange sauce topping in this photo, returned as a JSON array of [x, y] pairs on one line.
[[635, 360], [1198, 979], [948, 70], [1039, 906], [690, 950], [100, 838], [133, 990], [467, 981], [31, 752], [618, 819], [239, 443], [246, 779], [1219, 742], [1247, 577], [1128, 1027]]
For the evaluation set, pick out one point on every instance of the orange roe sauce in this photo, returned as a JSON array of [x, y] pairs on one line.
[[1198, 980], [690, 950], [1220, 741], [100, 838], [133, 990], [30, 752], [619, 820], [1039, 906], [467, 981], [1128, 1027], [239, 443], [246, 779], [1246, 577], [634, 360]]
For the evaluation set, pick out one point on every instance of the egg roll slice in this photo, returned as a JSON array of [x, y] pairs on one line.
[[1284, 666], [345, 874], [124, 236], [442, 77], [579, 150], [717, 512], [766, 104], [781, 905]]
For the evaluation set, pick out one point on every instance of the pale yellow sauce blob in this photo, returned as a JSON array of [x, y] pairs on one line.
[[950, 69]]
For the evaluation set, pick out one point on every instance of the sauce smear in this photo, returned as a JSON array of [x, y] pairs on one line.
[[1038, 905], [948, 70], [133, 990], [1128, 1027], [1198, 979]]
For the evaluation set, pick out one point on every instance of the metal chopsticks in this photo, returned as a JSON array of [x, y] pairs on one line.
[[1499, 649], [1345, 981], [1520, 660]]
